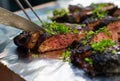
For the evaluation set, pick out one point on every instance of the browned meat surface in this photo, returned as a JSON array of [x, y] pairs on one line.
[[78, 14], [60, 41], [113, 28], [27, 39], [102, 62], [44, 42], [98, 23], [56, 54], [116, 13]]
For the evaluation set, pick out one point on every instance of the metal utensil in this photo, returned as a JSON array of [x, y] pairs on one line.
[[11, 19]]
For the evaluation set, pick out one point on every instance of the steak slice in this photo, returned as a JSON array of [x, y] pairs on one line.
[[60, 41], [113, 30], [102, 63], [78, 14]]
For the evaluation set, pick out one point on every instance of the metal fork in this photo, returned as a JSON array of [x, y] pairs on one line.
[[30, 6]]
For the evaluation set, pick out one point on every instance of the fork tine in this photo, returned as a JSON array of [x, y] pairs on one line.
[[20, 5], [30, 6]]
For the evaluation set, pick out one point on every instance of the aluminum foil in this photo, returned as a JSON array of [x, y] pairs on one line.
[[35, 69]]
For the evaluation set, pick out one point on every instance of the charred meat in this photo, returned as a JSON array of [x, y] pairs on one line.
[[78, 14], [100, 55], [93, 44], [47, 42]]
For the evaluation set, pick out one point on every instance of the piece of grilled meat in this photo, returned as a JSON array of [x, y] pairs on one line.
[[102, 63], [44, 42], [78, 14]]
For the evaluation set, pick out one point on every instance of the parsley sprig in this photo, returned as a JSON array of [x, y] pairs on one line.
[[98, 10], [89, 60], [66, 55], [60, 12], [89, 34], [100, 46]]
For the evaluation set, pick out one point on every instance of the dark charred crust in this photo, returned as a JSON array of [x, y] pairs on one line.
[[96, 24], [78, 14], [106, 63], [22, 39], [75, 8]]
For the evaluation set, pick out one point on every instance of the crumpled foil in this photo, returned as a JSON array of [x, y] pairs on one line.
[[35, 69]]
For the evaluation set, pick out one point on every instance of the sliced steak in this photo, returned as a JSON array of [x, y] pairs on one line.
[[95, 24], [102, 63], [60, 41], [78, 14], [113, 29]]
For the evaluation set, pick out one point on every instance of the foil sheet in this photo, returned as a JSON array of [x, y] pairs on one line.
[[35, 69]]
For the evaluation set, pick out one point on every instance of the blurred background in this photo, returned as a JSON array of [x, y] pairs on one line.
[[12, 6]]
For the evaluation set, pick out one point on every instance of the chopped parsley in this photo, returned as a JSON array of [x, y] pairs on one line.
[[98, 10], [83, 25], [89, 34], [60, 12], [66, 55], [114, 51], [103, 29], [100, 46], [89, 60], [88, 37], [56, 28]]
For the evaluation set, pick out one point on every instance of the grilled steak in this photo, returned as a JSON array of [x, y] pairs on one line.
[[27, 39], [44, 42], [95, 24], [60, 41], [78, 14], [113, 30], [99, 63]]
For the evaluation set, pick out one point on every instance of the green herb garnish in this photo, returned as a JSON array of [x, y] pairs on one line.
[[98, 10], [114, 51], [60, 12], [56, 28], [88, 37], [89, 60], [35, 55], [83, 25], [100, 46], [66, 55], [118, 17], [89, 34], [103, 29]]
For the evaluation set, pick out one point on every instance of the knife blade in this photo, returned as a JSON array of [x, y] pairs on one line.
[[10, 19]]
